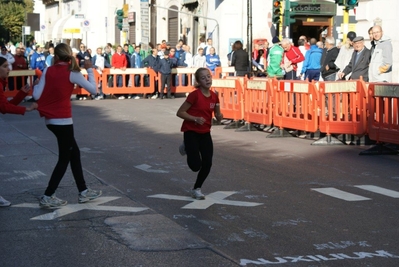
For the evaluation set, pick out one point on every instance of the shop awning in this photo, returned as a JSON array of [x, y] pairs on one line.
[[67, 28]]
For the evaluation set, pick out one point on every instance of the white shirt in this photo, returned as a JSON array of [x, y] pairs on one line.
[[10, 59], [189, 60]]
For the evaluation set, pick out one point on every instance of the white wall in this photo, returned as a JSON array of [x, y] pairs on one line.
[[387, 11]]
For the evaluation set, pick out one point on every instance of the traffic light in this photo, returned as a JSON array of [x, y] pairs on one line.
[[288, 13], [351, 4], [119, 17], [276, 12], [348, 4]]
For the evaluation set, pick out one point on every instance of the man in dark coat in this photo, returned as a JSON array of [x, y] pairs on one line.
[[328, 68], [360, 61]]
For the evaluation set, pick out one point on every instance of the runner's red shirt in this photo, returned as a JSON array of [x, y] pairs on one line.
[[201, 106]]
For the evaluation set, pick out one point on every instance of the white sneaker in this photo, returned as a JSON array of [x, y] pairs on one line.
[[137, 97], [197, 194], [84, 98], [51, 202], [80, 98], [182, 149], [99, 97], [4, 203], [88, 194], [121, 97], [154, 97]]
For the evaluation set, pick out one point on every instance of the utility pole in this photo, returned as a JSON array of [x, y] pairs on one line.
[[249, 35]]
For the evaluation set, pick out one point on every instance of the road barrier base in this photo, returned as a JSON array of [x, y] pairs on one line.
[[270, 129], [234, 125], [351, 139], [248, 127], [280, 133], [329, 140], [380, 149]]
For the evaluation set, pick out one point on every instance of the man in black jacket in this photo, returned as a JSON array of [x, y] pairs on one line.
[[328, 68], [152, 62]]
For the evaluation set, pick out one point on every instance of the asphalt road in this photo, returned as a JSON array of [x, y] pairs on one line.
[[270, 201]]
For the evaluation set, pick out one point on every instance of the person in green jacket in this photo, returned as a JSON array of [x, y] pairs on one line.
[[276, 53]]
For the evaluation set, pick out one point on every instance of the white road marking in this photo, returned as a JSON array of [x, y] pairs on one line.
[[333, 192], [28, 175], [379, 190], [147, 168], [213, 198], [71, 208]]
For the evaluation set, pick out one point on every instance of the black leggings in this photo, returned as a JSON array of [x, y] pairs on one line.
[[199, 150], [68, 151]]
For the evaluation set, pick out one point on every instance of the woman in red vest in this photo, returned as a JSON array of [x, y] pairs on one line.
[[197, 113], [12, 105], [53, 93]]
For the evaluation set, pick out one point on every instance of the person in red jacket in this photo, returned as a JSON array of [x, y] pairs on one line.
[[197, 112], [292, 56], [53, 93], [12, 105]]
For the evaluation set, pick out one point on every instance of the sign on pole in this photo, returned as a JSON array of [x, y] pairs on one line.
[[25, 30], [86, 25], [145, 28]]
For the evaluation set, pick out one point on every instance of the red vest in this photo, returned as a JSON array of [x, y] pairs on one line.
[[55, 101]]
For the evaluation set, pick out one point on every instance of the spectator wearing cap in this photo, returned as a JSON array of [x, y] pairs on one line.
[[276, 53], [345, 52], [359, 64], [38, 60], [162, 49]]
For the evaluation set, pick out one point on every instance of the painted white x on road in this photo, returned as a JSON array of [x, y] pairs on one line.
[[71, 208], [213, 198]]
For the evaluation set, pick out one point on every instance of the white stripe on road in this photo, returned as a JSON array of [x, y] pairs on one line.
[[333, 192], [379, 190]]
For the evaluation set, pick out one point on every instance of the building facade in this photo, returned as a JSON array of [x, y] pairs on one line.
[[94, 22]]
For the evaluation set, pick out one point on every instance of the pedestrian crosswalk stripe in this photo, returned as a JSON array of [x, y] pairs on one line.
[[333, 192], [379, 190]]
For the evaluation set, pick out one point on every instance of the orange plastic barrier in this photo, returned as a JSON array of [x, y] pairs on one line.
[[145, 76], [223, 72], [181, 87], [230, 97], [345, 110], [383, 120], [258, 102], [81, 91], [295, 105], [20, 78]]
